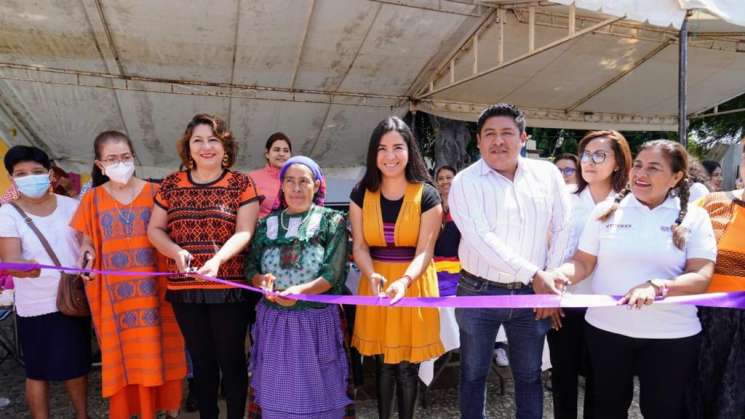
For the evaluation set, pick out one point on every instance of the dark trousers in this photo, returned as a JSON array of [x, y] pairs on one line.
[[664, 367], [569, 360], [215, 336]]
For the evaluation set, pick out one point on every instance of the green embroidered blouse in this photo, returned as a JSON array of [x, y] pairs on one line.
[[300, 248]]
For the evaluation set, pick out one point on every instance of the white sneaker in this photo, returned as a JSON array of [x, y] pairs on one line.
[[501, 357]]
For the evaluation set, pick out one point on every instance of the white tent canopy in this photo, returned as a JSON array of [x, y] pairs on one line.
[[583, 69], [326, 71], [664, 12]]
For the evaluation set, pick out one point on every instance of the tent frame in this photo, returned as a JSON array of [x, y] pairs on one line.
[[426, 90]]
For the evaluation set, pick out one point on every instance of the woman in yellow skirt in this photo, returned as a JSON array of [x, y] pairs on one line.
[[396, 215]]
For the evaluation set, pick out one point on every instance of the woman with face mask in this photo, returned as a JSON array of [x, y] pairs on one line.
[[55, 347], [142, 351]]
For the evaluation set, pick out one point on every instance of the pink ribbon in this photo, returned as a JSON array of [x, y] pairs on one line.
[[721, 299]]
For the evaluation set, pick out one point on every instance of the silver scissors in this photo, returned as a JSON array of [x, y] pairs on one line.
[[190, 269]]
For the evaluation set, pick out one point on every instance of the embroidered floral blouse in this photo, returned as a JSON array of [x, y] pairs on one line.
[[300, 248]]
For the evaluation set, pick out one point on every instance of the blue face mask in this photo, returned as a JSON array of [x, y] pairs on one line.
[[33, 186]]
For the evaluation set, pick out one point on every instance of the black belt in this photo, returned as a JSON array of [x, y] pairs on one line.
[[482, 281]]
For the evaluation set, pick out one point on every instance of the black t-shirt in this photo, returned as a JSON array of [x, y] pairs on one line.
[[390, 209], [448, 240]]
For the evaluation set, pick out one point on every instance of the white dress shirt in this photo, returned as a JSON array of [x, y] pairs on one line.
[[582, 206], [635, 245], [510, 229]]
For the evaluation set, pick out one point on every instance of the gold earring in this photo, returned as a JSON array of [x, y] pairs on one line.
[[191, 164], [225, 160]]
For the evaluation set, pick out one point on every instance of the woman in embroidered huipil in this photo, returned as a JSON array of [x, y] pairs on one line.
[[719, 388], [298, 362], [132, 319], [396, 216], [203, 219]]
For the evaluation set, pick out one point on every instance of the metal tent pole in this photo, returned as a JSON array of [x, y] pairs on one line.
[[682, 81]]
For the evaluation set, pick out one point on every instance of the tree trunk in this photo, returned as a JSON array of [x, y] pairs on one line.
[[450, 142]]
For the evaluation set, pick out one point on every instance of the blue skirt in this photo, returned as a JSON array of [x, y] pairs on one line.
[[55, 347], [298, 363]]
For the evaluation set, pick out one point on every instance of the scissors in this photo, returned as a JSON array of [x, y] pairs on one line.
[[86, 265], [190, 269]]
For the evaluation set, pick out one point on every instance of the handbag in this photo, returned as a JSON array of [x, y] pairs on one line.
[[71, 298]]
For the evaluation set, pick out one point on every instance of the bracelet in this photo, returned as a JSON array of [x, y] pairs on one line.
[[410, 280], [660, 286]]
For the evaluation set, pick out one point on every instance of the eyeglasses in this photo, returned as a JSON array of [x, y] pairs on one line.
[[568, 171], [124, 158], [596, 157]]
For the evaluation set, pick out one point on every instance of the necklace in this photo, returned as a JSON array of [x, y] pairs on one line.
[[282, 220], [126, 215]]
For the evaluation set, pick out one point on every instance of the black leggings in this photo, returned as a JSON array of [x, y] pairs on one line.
[[401, 379], [215, 336], [664, 367]]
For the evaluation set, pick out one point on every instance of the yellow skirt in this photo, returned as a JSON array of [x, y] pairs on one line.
[[399, 333]]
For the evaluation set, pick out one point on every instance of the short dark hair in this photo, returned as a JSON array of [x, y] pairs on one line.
[[219, 130], [445, 167], [502, 109], [568, 156], [277, 136], [415, 171], [22, 153], [711, 166]]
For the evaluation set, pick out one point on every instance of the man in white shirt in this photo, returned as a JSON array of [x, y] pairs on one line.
[[513, 214]]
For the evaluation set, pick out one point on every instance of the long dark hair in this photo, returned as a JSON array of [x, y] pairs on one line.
[[415, 171], [97, 176], [621, 151]]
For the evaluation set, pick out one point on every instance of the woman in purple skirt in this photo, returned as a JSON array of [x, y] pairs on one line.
[[298, 362]]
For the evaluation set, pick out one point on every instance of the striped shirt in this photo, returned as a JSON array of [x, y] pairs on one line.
[[510, 229]]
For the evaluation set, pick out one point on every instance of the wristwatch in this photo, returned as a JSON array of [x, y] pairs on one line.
[[660, 286]]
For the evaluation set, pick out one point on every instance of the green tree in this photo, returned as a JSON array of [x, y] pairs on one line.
[[713, 129]]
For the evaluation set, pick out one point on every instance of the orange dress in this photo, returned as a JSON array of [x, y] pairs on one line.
[[142, 350], [399, 333], [728, 220]]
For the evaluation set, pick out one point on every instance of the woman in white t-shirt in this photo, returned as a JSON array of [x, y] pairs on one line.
[[605, 160], [645, 245], [55, 347]]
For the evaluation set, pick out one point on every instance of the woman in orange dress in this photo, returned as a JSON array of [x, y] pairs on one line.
[[719, 388], [396, 216], [142, 351]]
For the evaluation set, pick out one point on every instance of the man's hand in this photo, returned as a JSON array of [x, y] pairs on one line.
[[553, 282]]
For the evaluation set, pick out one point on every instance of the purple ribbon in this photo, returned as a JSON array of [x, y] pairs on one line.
[[720, 299]]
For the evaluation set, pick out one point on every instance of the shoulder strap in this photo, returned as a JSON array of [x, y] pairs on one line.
[[42, 239]]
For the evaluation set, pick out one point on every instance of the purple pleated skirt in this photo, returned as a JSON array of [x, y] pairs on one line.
[[298, 363]]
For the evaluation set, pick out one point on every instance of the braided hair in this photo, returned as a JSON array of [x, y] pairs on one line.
[[616, 202], [677, 156], [678, 230]]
